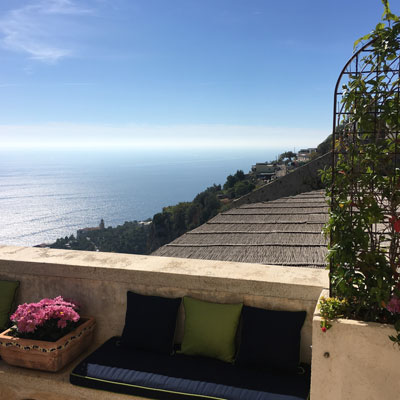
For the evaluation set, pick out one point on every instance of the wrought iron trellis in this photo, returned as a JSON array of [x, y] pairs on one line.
[[347, 131], [356, 66]]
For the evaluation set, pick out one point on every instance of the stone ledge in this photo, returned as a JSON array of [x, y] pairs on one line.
[[254, 279]]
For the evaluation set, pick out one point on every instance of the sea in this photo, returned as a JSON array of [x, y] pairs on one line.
[[45, 195]]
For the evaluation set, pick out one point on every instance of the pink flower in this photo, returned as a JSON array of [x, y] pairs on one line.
[[323, 329], [28, 317], [62, 323], [394, 305]]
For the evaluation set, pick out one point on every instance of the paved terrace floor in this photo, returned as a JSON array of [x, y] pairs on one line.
[[284, 232]]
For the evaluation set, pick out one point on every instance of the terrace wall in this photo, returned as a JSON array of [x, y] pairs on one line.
[[99, 282]]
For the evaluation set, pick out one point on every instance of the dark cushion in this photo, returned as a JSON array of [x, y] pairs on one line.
[[270, 339], [161, 376], [8, 291], [150, 322]]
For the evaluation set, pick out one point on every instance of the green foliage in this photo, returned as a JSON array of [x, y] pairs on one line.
[[131, 237], [325, 146], [242, 188], [365, 191], [380, 29], [231, 180], [331, 308], [286, 156], [174, 221]]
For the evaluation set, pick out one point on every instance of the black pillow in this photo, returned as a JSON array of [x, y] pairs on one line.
[[270, 339], [150, 322]]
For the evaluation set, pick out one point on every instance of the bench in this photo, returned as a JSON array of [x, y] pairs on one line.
[[160, 376]]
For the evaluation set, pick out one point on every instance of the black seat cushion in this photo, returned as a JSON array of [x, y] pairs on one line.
[[115, 368]]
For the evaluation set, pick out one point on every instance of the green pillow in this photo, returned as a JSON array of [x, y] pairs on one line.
[[210, 329], [8, 290]]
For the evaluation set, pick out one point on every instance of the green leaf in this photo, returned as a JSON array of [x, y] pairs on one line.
[[380, 26], [397, 325], [386, 6], [365, 37]]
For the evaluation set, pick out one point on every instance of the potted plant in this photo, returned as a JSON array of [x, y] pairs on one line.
[[46, 335]]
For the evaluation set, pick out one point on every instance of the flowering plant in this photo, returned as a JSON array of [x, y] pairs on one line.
[[364, 190], [330, 308], [49, 319]]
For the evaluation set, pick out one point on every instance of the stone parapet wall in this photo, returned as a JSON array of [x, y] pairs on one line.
[[99, 282]]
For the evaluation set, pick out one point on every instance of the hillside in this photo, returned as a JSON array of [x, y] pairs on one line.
[[140, 237]]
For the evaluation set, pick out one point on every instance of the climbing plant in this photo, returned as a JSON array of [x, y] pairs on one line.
[[364, 223]]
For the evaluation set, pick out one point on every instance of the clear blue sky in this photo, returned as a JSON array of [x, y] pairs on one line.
[[194, 73]]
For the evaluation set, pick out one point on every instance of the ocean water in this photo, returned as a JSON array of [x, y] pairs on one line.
[[50, 194]]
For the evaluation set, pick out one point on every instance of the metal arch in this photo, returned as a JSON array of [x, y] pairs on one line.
[[359, 69], [336, 118], [345, 71], [356, 66]]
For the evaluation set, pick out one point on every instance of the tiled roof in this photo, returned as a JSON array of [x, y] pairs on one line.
[[286, 232]]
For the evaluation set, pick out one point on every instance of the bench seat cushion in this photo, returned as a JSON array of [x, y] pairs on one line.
[[115, 368]]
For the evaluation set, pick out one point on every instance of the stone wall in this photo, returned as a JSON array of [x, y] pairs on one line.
[[99, 282], [303, 179]]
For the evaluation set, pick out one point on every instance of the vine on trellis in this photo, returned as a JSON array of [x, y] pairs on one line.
[[364, 223]]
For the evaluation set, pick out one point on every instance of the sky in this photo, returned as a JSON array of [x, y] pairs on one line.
[[174, 73]]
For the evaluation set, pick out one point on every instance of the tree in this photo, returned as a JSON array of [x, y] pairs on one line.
[[240, 175], [242, 188], [325, 146], [230, 182], [287, 156]]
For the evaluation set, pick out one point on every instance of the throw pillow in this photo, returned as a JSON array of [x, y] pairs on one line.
[[150, 322], [8, 291], [210, 329], [270, 339]]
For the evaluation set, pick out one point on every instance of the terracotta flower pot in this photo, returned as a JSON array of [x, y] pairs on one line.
[[47, 356]]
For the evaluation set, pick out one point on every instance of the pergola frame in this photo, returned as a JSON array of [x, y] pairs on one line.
[[346, 129]]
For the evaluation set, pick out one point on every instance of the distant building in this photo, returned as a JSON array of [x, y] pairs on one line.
[[305, 154], [264, 171], [82, 231]]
